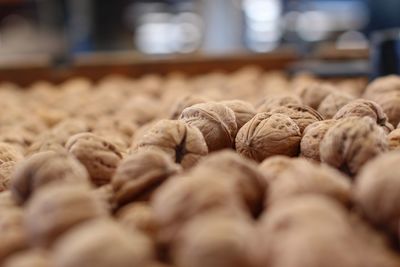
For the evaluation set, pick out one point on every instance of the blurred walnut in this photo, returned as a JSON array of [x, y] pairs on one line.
[[7, 200], [365, 108], [244, 111], [312, 137], [273, 166], [29, 258], [105, 194], [271, 102], [390, 104], [184, 102], [382, 86], [99, 156], [102, 243], [394, 139], [351, 142], [43, 169], [313, 94], [56, 209], [332, 103], [216, 122], [267, 135], [140, 109], [183, 143], [140, 174]]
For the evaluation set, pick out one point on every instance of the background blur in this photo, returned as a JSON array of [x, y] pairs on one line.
[[67, 27]]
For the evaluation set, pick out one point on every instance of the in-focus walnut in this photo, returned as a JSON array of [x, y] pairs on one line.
[[394, 139], [248, 181], [43, 169], [313, 94], [56, 209], [214, 241], [351, 142], [273, 166], [244, 111], [140, 174], [183, 143], [267, 135], [29, 258], [184, 102], [312, 137], [274, 101], [216, 122], [99, 156], [332, 103], [9, 156], [365, 108], [102, 243], [377, 190], [302, 115]]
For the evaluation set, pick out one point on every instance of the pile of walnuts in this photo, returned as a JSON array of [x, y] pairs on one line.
[[248, 169]]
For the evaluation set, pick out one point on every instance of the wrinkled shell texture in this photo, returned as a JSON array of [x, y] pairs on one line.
[[394, 139], [244, 111]]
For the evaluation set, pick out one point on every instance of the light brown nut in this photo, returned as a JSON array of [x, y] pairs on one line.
[[102, 243], [140, 174], [247, 180], [365, 108], [7, 200], [273, 166], [29, 258], [382, 86], [43, 169], [267, 135], [332, 103], [244, 111], [12, 241], [214, 241], [9, 156], [183, 143], [274, 101], [99, 156], [69, 127], [313, 94], [105, 194], [302, 115], [184, 102], [303, 177], [394, 139], [141, 109], [351, 142], [54, 210], [312, 137], [390, 104], [216, 122], [377, 190]]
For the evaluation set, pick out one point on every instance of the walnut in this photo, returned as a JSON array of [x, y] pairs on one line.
[[382, 86], [140, 109], [183, 143], [312, 137], [365, 108], [273, 166], [9, 156], [313, 94], [274, 101], [105, 193], [99, 156], [351, 142], [390, 104], [139, 175], [394, 139], [29, 258], [56, 209], [102, 243], [244, 111], [43, 169], [267, 135], [184, 102], [332, 103], [216, 122]]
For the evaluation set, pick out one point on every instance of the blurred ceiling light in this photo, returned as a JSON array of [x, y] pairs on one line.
[[262, 10], [314, 26], [352, 40]]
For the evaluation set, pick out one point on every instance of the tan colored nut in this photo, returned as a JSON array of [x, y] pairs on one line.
[[216, 122], [274, 101], [351, 142], [9, 156], [99, 156], [273, 166], [267, 135], [244, 111], [43, 169], [302, 115], [69, 127], [105, 194], [184, 102], [365, 108], [394, 139], [140, 174], [243, 173], [7, 200], [12, 241], [377, 190], [312, 137], [382, 86], [141, 109], [183, 143], [304, 177], [332, 103], [390, 104], [29, 258], [54, 210], [313, 94], [102, 243], [214, 241]]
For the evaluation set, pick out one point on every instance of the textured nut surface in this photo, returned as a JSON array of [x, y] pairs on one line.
[[351, 142], [332, 103], [99, 156], [267, 135], [216, 122], [394, 139], [44, 169], [313, 94], [183, 143], [244, 111], [312, 137], [184, 102], [140, 174], [390, 104], [9, 156]]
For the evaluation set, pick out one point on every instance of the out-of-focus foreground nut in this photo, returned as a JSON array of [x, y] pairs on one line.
[[29, 258]]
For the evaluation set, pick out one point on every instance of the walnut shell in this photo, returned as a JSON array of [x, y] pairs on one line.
[[244, 111], [99, 156], [351, 142], [43, 169], [312, 137], [313, 94], [267, 135], [394, 139], [216, 122], [183, 143], [140, 174], [102, 243], [273, 166], [29, 258], [184, 102], [54, 210], [382, 86], [332, 103], [390, 104], [9, 156], [274, 101], [12, 241]]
